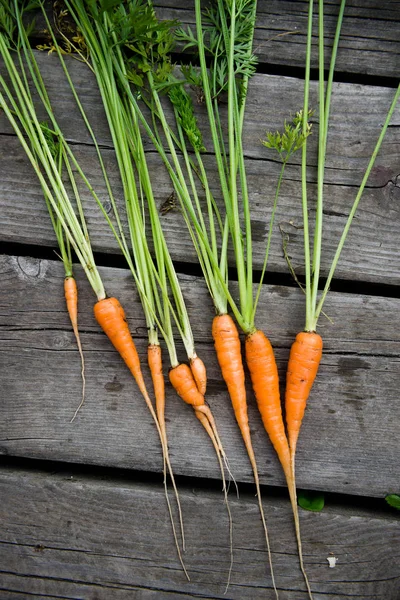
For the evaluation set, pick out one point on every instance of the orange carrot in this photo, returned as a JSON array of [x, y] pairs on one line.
[[304, 359], [228, 350], [154, 359], [261, 362], [183, 381], [111, 317], [71, 298], [198, 369], [264, 376]]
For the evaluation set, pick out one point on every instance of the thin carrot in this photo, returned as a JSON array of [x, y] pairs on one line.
[[305, 356], [183, 381], [71, 299], [198, 369], [228, 351], [111, 317], [154, 359]]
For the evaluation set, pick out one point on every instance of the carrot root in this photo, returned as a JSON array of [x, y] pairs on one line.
[[198, 369], [71, 299], [111, 317], [229, 355], [261, 362], [304, 359], [204, 418], [182, 380], [154, 359]]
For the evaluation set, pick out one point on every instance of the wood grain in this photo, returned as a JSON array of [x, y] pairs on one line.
[[72, 536], [343, 446], [357, 114], [369, 44]]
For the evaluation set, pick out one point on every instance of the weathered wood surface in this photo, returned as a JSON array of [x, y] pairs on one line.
[[370, 41], [343, 447], [73, 536], [357, 114]]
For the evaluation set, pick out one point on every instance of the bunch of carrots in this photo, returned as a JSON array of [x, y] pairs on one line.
[[130, 52]]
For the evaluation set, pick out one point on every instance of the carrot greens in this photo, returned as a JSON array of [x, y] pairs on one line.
[[306, 351], [47, 149], [162, 300]]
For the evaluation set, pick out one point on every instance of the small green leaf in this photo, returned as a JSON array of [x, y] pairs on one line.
[[313, 501], [393, 500]]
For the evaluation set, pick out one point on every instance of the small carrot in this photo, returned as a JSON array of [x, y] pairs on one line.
[[71, 298], [304, 359], [228, 350], [183, 382], [185, 385], [111, 317], [198, 369], [154, 359]]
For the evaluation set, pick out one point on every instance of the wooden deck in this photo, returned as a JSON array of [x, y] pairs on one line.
[[82, 510]]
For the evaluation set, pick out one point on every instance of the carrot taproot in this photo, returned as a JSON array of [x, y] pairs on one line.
[[154, 359], [229, 355], [111, 317], [261, 362], [185, 385], [305, 356], [182, 380], [304, 359], [71, 299], [198, 369]]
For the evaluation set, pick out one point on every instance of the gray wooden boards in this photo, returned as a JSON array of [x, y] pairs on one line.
[[84, 537], [371, 251], [349, 441], [370, 43]]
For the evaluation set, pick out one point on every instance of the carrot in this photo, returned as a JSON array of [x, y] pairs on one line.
[[71, 298], [183, 381], [154, 359], [304, 359], [261, 362], [228, 350], [198, 369], [111, 317], [264, 377]]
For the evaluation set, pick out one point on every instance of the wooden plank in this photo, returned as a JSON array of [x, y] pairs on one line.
[[355, 109], [349, 441], [85, 537], [369, 44]]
